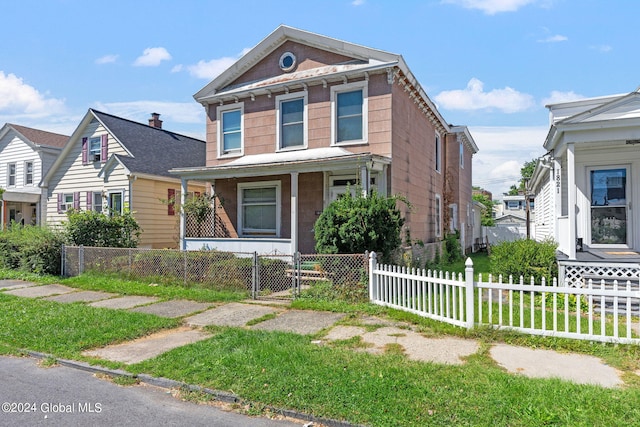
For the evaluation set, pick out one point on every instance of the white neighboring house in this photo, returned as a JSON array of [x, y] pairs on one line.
[[26, 154], [586, 186]]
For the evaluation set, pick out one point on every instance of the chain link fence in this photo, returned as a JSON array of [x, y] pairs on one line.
[[263, 276]]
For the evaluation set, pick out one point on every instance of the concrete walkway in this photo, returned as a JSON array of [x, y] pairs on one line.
[[377, 335]]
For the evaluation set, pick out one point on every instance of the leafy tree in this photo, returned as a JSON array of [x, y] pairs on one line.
[[354, 224], [487, 217], [91, 228], [526, 171]]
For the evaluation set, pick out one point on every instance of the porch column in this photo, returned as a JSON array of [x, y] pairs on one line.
[[571, 190], [294, 212], [183, 200], [364, 182]]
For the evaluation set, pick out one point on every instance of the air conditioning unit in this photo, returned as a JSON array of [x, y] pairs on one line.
[[96, 157]]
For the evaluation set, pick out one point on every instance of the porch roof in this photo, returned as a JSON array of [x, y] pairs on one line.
[[311, 160]]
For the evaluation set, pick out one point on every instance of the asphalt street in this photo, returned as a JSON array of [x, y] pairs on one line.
[[31, 395]]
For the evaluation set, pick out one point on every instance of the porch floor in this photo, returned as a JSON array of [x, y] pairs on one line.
[[610, 255]]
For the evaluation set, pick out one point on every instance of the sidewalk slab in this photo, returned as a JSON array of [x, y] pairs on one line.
[[8, 284], [174, 308], [148, 347], [300, 322], [41, 291], [83, 296], [232, 314], [537, 363], [125, 302]]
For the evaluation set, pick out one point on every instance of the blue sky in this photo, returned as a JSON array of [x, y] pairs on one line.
[[491, 65]]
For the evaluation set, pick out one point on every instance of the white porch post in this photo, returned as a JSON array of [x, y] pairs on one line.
[[571, 194], [294, 212], [364, 182], [183, 199]]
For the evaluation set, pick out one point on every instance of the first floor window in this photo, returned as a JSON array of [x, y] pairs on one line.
[[438, 215], [97, 201], [259, 209], [115, 203], [11, 174]]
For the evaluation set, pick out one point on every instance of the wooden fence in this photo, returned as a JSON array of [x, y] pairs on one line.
[[605, 310]]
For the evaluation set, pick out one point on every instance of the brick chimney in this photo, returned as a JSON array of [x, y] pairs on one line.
[[155, 121]]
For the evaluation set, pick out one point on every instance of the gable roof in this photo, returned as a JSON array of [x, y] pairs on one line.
[[365, 60], [37, 136], [152, 150], [594, 114]]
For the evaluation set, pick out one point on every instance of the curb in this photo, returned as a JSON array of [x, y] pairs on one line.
[[167, 383]]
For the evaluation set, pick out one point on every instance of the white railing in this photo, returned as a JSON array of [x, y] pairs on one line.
[[603, 311]]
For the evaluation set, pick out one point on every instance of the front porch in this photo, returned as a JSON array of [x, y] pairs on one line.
[[599, 264]]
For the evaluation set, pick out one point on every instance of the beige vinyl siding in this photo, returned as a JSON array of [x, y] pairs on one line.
[[160, 230], [72, 176]]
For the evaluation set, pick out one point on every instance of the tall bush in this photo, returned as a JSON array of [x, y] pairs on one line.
[[31, 248], [91, 228], [525, 258], [355, 224]]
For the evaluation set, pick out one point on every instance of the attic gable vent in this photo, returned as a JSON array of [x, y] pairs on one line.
[[288, 62]]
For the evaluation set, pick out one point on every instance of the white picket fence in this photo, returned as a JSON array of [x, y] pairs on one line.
[[602, 311]]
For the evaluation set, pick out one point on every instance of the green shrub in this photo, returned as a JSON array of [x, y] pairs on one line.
[[355, 224], [31, 248], [91, 228], [525, 258]]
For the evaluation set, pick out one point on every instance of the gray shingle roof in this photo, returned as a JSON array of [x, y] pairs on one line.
[[154, 150]]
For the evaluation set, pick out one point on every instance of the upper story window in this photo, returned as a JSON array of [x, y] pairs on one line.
[[292, 121], [513, 204], [349, 106], [11, 175], [438, 153], [28, 173], [231, 129], [461, 155], [95, 149]]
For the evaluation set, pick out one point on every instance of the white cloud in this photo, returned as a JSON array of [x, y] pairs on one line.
[[491, 7], [557, 96], [106, 59], [473, 97], [357, 2], [213, 68], [603, 48], [502, 152], [19, 100], [152, 57], [177, 68], [554, 39]]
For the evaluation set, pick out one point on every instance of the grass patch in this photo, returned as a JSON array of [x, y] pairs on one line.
[[112, 283], [288, 371], [65, 330]]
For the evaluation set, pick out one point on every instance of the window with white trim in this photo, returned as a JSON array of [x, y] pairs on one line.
[[95, 149], [291, 113], [438, 153], [115, 203], [11, 174], [97, 201], [259, 209], [349, 113], [67, 202], [230, 129], [438, 215], [28, 173]]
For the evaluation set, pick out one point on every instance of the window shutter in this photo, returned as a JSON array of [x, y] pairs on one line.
[[85, 150], [76, 200], [60, 203], [89, 200], [104, 147], [171, 195]]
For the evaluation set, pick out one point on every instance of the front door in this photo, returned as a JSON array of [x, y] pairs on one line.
[[610, 222]]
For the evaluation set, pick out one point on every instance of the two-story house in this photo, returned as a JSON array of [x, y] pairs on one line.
[[26, 154], [302, 117], [111, 164]]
